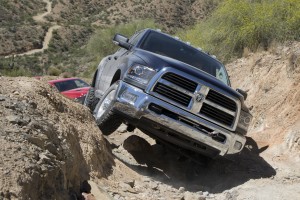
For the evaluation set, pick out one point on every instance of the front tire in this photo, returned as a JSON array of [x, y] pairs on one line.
[[90, 99], [107, 120]]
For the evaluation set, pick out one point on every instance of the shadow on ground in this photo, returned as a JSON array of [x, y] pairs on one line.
[[212, 175]]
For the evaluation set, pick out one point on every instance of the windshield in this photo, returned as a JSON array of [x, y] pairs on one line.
[[70, 84], [173, 48]]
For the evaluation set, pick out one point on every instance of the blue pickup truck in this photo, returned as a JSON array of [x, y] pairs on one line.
[[171, 91]]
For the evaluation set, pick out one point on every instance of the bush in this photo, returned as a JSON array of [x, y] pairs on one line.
[[53, 71], [239, 24]]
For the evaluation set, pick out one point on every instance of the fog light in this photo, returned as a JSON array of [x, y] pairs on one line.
[[129, 97], [238, 145]]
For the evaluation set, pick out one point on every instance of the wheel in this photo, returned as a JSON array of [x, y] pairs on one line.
[[107, 120], [90, 100]]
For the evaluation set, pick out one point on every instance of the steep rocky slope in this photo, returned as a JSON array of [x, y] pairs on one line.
[[49, 145], [272, 80]]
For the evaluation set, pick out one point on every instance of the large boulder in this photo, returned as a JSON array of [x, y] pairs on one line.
[[49, 144]]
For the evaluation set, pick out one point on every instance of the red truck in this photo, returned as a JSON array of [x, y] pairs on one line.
[[73, 88]]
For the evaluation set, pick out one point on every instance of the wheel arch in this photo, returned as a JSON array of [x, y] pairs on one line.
[[94, 78], [116, 77]]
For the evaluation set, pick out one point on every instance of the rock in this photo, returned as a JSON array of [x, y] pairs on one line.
[[181, 189], [2, 98], [117, 197], [27, 167], [122, 128], [130, 183], [205, 194], [43, 156], [33, 105], [125, 187], [146, 179], [26, 120], [137, 143], [192, 196], [38, 141], [153, 185], [87, 196], [14, 119]]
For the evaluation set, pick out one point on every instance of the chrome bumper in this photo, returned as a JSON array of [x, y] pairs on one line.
[[133, 102]]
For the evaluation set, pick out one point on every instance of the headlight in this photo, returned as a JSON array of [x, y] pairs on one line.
[[140, 75], [80, 99], [244, 121]]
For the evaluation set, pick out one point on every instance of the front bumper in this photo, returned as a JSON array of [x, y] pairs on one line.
[[174, 124]]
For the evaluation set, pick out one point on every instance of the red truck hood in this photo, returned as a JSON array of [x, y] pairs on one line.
[[76, 93]]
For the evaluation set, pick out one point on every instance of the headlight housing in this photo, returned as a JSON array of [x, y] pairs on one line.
[[244, 122], [139, 75]]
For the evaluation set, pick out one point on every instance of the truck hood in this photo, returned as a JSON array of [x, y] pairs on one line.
[[158, 62], [76, 93]]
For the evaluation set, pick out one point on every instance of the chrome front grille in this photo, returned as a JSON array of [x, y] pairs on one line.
[[172, 94], [216, 114], [192, 95], [221, 99], [181, 81]]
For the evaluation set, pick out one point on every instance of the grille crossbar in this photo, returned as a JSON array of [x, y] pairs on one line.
[[181, 81], [173, 94], [215, 106], [221, 100]]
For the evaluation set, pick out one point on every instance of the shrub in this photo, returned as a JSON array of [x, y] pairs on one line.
[[16, 72], [239, 24], [53, 71]]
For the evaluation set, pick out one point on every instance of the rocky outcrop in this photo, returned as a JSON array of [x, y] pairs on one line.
[[49, 144]]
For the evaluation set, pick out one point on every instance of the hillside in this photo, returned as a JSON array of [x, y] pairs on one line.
[[21, 31], [171, 14], [18, 31]]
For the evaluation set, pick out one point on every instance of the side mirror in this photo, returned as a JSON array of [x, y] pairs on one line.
[[242, 92], [122, 41]]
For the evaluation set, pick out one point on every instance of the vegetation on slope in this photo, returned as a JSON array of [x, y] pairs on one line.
[[78, 21], [239, 24]]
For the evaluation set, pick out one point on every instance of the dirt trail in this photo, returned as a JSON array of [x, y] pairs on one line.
[[40, 18], [46, 42]]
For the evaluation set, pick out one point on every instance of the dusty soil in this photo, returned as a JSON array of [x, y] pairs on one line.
[[51, 145]]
